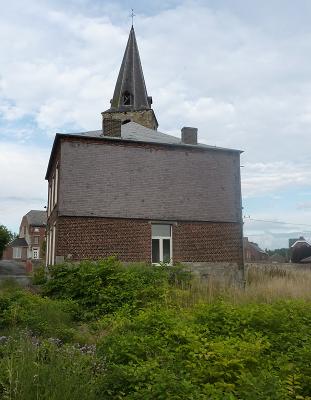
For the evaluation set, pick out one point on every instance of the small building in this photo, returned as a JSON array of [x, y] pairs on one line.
[[132, 191], [253, 253], [27, 246], [299, 249]]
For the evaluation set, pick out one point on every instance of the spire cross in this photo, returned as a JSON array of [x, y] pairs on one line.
[[132, 16]]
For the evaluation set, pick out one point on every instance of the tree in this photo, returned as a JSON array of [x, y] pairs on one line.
[[5, 237]]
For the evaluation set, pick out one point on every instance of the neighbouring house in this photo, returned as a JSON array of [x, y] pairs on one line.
[[27, 246], [132, 191], [299, 249], [253, 253]]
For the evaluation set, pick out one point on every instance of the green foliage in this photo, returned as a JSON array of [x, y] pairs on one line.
[[5, 237], [284, 252], [20, 309], [146, 345], [218, 351], [32, 370], [39, 276], [105, 286]]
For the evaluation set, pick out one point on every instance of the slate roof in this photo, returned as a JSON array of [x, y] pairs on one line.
[[36, 218], [18, 242], [306, 260], [139, 133], [131, 80], [301, 241]]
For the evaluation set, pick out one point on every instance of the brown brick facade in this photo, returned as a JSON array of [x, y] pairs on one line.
[[207, 242], [94, 238], [130, 240]]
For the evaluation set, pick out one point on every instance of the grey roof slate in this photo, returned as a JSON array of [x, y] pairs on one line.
[[139, 133], [36, 217], [131, 80], [18, 242]]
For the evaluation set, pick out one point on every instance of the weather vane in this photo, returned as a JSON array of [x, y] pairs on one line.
[[132, 15]]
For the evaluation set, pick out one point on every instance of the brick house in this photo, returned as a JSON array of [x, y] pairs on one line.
[[132, 191], [252, 252], [28, 244]]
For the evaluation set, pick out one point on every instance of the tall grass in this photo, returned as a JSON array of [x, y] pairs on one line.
[[263, 285]]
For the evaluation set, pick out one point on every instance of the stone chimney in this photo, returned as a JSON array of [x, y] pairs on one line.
[[189, 135], [111, 127]]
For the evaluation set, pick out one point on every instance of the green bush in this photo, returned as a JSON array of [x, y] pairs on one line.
[[43, 316], [105, 286], [39, 276], [218, 351]]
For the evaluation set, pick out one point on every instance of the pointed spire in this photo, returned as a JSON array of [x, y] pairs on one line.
[[130, 93]]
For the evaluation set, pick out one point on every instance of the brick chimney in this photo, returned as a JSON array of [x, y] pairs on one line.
[[111, 127], [189, 135]]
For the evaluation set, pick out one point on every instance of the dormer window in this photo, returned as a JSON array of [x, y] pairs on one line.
[[127, 98]]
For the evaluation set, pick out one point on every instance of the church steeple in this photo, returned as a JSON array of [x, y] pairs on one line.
[[130, 100], [130, 92]]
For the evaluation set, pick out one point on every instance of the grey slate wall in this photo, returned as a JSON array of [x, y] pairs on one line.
[[148, 181]]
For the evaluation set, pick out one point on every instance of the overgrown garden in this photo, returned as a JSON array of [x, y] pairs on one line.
[[105, 331]]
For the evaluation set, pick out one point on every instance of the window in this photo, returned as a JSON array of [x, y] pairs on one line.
[[127, 98], [161, 243], [36, 240], [35, 254], [17, 252], [36, 229], [56, 186]]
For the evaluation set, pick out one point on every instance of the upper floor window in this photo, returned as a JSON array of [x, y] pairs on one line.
[[53, 191], [36, 229], [36, 240]]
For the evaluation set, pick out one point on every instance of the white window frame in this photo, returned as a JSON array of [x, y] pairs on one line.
[[53, 244], [161, 238], [49, 199], [56, 186], [36, 249], [17, 252], [47, 248]]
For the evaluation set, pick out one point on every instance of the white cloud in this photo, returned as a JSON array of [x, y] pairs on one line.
[[262, 178], [22, 184], [235, 73]]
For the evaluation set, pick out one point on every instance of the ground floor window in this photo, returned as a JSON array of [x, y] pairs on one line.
[[161, 243], [17, 252], [35, 254]]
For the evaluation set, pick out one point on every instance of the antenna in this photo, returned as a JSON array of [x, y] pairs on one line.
[[132, 15]]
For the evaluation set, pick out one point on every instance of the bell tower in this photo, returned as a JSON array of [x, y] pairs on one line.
[[130, 100]]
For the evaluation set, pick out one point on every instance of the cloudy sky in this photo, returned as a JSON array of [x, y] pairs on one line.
[[237, 70]]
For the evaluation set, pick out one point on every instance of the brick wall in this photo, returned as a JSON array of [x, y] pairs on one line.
[[207, 242], [130, 240], [93, 238]]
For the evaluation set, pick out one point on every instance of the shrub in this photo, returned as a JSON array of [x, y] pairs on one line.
[[219, 351], [105, 286], [22, 309], [39, 276]]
